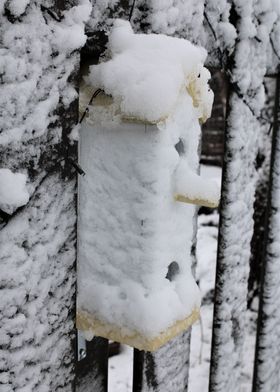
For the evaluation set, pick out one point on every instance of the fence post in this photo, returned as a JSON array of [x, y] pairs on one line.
[[261, 195], [236, 218], [165, 370], [267, 355], [37, 240]]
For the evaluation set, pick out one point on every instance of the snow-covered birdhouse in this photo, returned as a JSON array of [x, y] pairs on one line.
[[139, 149]]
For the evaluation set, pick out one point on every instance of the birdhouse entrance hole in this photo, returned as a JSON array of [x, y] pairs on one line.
[[173, 271], [180, 147]]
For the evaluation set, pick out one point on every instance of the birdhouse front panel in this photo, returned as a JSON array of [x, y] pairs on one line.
[[135, 283]]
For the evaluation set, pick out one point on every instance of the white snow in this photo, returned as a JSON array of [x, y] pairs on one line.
[[75, 133], [130, 227], [120, 371], [176, 17], [238, 195], [70, 35], [17, 7], [13, 190], [36, 290], [120, 367], [159, 68], [128, 215], [37, 244], [268, 377], [196, 187], [36, 60], [187, 19]]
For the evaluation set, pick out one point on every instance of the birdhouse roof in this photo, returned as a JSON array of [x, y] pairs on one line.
[[147, 74]]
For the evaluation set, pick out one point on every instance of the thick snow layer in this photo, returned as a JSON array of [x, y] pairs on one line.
[[37, 257], [131, 230], [134, 269], [17, 7], [190, 19], [37, 285], [148, 72], [130, 227], [196, 187], [13, 191], [174, 17], [238, 192], [35, 66], [120, 372], [268, 377], [120, 366]]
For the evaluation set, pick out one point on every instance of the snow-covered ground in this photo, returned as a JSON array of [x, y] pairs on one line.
[[120, 367]]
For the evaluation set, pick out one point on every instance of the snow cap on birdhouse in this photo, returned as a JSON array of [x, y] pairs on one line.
[[139, 149]]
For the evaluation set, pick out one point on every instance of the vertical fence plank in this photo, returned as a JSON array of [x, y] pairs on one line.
[[165, 370], [236, 218], [235, 231], [37, 240], [262, 185], [267, 356]]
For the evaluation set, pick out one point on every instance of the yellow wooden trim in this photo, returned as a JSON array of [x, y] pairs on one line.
[[87, 322], [137, 120], [197, 201]]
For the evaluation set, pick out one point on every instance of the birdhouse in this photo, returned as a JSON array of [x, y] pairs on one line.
[[139, 150]]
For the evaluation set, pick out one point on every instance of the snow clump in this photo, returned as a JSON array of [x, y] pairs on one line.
[[13, 191], [158, 67]]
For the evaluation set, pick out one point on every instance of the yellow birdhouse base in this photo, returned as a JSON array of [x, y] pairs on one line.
[[197, 201], [87, 322]]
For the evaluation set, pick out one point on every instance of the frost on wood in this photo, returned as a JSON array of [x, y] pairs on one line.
[[134, 273], [260, 204], [166, 369], [195, 20], [176, 18], [34, 70], [248, 66], [273, 51], [38, 61], [267, 364], [37, 286], [208, 23], [104, 12], [190, 19]]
